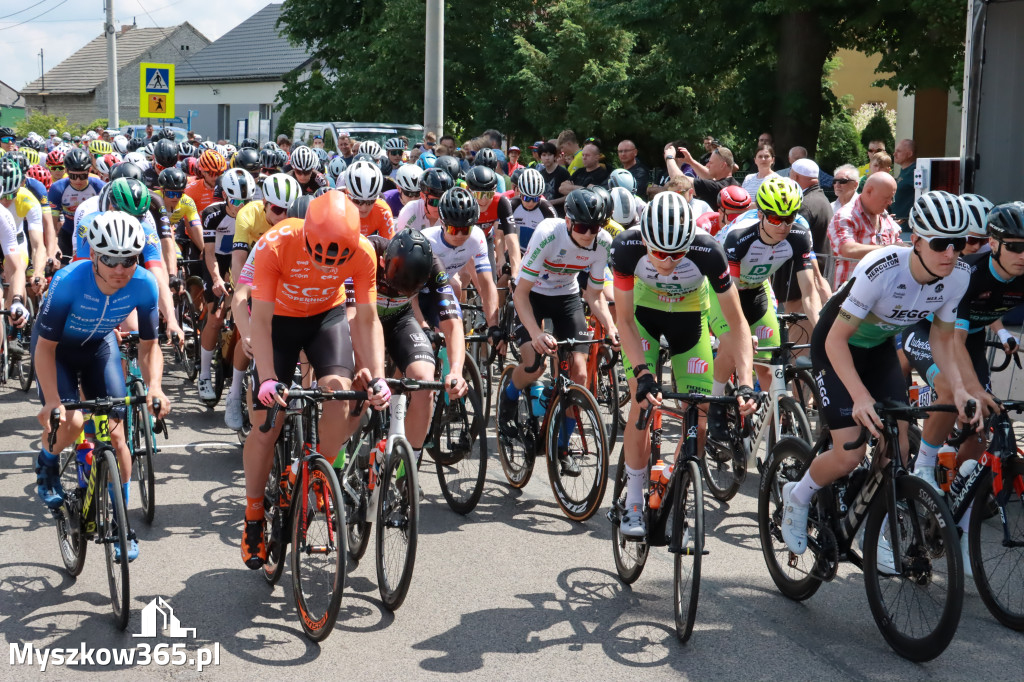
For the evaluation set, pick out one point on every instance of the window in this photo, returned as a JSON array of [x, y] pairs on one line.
[[224, 121], [266, 111]]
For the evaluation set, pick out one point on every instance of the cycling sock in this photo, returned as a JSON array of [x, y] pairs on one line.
[[47, 458], [237, 378], [717, 387], [804, 490], [635, 479], [964, 523], [206, 363], [928, 456], [253, 508], [416, 454], [511, 392], [125, 487], [566, 433]]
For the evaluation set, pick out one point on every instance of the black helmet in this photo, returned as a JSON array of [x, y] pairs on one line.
[[249, 143], [436, 182], [268, 158], [272, 146], [77, 160], [6, 132], [486, 157], [362, 156], [449, 164], [586, 207], [606, 198], [126, 169], [385, 166], [248, 159], [135, 144], [1007, 220], [458, 208], [173, 179], [481, 179], [297, 209], [165, 134], [408, 261], [280, 158], [165, 153], [516, 174]]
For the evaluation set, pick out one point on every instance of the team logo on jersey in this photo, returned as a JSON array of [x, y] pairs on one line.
[[887, 263], [645, 344], [902, 286], [696, 366], [764, 332], [939, 287]]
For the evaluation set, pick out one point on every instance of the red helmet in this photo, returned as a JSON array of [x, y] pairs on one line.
[[41, 174], [212, 162], [734, 198], [55, 158], [193, 166], [331, 228]]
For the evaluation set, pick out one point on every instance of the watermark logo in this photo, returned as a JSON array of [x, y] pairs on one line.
[[158, 606]]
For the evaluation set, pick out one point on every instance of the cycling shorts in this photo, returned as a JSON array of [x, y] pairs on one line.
[[878, 368], [66, 244], [918, 350], [95, 368], [565, 312], [757, 305], [405, 340], [224, 266], [689, 345]]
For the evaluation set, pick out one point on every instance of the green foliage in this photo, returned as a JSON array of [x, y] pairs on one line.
[[40, 123], [878, 128], [839, 143]]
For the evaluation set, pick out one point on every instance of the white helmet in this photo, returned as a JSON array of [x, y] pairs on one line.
[[531, 183], [939, 214], [101, 165], [621, 177], [113, 233], [281, 190], [978, 208], [623, 206], [238, 184], [364, 180], [52, 132], [138, 158], [120, 143], [667, 223], [395, 144], [336, 167], [304, 159], [407, 177], [372, 148], [148, 150]]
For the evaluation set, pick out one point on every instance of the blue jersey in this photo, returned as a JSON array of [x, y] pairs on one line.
[[150, 252], [76, 311], [64, 199], [38, 190]]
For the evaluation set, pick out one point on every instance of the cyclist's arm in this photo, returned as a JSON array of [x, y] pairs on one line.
[[514, 253], [737, 339], [629, 335], [595, 298], [211, 265], [45, 358], [455, 342], [14, 274], [367, 339], [521, 298], [240, 310], [809, 294], [151, 362], [170, 256], [259, 332], [488, 296], [49, 235]]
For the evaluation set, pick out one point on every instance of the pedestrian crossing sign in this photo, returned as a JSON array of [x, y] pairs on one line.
[[156, 90]]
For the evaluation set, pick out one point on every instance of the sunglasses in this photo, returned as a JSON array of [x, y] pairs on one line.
[[238, 202], [395, 152], [940, 244], [457, 230], [584, 228], [302, 172], [78, 176], [269, 171], [9, 197], [56, 169], [7, 140], [977, 241], [433, 201], [665, 255], [411, 195], [1012, 247], [483, 194], [114, 261], [842, 181], [273, 208], [172, 194], [779, 220], [531, 199], [364, 202], [873, 150]]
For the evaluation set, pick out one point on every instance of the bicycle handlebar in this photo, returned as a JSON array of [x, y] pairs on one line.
[[99, 406], [310, 394], [539, 360], [907, 413], [1006, 356]]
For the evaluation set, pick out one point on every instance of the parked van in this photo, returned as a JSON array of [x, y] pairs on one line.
[[378, 132]]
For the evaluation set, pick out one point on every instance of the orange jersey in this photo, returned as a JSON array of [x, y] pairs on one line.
[[200, 193], [380, 221], [285, 275]]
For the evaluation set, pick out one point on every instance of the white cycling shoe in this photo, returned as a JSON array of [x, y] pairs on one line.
[[794, 521]]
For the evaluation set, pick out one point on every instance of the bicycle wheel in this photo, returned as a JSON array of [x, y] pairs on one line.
[[70, 530], [605, 387], [724, 465], [630, 555], [997, 564], [805, 392], [5, 348], [23, 364], [190, 325], [792, 573], [792, 421], [243, 432], [143, 445], [318, 549], [917, 611], [517, 454], [460, 441], [577, 453], [275, 516], [112, 527], [689, 514], [397, 524]]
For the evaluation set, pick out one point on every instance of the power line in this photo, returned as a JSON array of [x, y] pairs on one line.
[[6, 28], [23, 10]]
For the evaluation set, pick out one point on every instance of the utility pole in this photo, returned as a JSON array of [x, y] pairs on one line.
[[433, 90], [112, 104], [42, 72]]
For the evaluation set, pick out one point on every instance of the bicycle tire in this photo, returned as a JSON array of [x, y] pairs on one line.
[[516, 459], [461, 477], [928, 542], [275, 517], [70, 529], [356, 473], [142, 447], [630, 555], [243, 432], [606, 392], [805, 391], [5, 358], [397, 524], [26, 364], [190, 325], [990, 557], [318, 549], [577, 502], [112, 526], [725, 466], [689, 510], [27, 372], [792, 573], [793, 420]]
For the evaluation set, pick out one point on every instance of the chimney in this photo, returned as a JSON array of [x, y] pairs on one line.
[[125, 28]]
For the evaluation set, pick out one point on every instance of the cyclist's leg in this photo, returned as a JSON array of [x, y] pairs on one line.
[[103, 378], [760, 311], [689, 343], [330, 354], [918, 352], [634, 441], [47, 469], [542, 310], [211, 329], [412, 353]]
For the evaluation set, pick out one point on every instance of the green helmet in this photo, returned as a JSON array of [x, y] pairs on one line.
[[780, 196], [129, 195], [10, 176]]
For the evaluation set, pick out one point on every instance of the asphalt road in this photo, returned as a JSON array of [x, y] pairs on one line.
[[512, 591]]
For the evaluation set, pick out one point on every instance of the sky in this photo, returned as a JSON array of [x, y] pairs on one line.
[[62, 27]]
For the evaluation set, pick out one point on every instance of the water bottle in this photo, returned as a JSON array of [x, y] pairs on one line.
[[966, 469], [84, 454], [376, 460], [537, 401], [945, 472], [660, 475]]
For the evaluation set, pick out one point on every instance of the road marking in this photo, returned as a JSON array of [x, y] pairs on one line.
[[178, 446]]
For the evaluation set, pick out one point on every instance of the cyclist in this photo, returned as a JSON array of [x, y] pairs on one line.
[[27, 213], [733, 201], [305, 164], [496, 219], [183, 218], [395, 148], [662, 272], [15, 262], [204, 190], [855, 358], [529, 207], [55, 163], [75, 346], [407, 177], [298, 304], [165, 155], [66, 194], [364, 182], [422, 213], [978, 208], [336, 168], [256, 217]]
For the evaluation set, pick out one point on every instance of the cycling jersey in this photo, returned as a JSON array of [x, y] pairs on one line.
[[454, 258], [250, 224], [497, 214], [75, 311], [284, 274], [185, 210], [527, 220], [37, 189], [710, 222], [437, 291], [316, 181], [683, 289], [752, 261], [9, 231], [988, 296], [202, 194], [151, 253], [28, 216], [379, 221], [553, 259], [413, 216], [64, 199], [393, 197], [218, 228]]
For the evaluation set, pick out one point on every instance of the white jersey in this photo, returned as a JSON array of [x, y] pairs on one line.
[[413, 215], [454, 258], [553, 260], [9, 234]]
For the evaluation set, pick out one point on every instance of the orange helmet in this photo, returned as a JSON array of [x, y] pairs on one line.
[[212, 162], [331, 229]]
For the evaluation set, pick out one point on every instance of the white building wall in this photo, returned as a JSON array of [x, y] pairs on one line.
[[240, 98]]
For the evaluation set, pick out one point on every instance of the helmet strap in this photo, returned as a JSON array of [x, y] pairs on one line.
[[921, 261]]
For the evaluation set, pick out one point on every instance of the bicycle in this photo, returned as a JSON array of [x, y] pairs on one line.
[[188, 353], [575, 444], [89, 512], [141, 429], [926, 581], [223, 351], [379, 481], [16, 356], [603, 383], [313, 508], [680, 500]]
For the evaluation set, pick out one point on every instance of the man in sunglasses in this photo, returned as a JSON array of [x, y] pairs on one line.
[[854, 355], [7, 139], [364, 182], [65, 195], [256, 217], [419, 214]]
